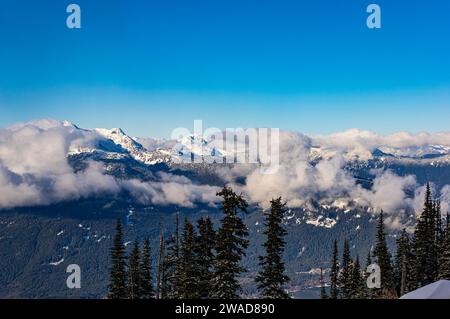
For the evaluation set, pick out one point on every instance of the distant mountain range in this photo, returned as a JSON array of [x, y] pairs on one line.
[[115, 143], [40, 237]]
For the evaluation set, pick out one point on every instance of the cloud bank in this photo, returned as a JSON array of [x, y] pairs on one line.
[[34, 171], [302, 181]]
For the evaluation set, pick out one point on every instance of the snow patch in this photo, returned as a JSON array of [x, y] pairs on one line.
[[56, 263], [322, 222]]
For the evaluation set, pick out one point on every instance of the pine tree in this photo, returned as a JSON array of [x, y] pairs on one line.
[[188, 270], [323, 291], [402, 264], [444, 260], [118, 275], [440, 238], [334, 274], [170, 282], [424, 247], [357, 283], [439, 231], [159, 270], [146, 272], [134, 273], [205, 255], [231, 243], [345, 276], [170, 275], [383, 259], [271, 278], [435, 234]]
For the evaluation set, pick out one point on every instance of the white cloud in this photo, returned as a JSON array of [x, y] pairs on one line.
[[34, 171]]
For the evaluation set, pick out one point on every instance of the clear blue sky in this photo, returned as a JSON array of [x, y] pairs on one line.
[[150, 66]]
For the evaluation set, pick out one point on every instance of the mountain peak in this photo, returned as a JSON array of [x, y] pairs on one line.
[[110, 132], [117, 131]]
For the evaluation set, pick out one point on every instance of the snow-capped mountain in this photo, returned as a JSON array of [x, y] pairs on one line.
[[194, 148], [116, 144]]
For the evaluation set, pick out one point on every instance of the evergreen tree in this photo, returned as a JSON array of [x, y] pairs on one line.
[[170, 284], [368, 260], [146, 272], [345, 276], [439, 231], [402, 264], [118, 274], [334, 274], [188, 270], [134, 273], [323, 291], [383, 259], [170, 275], [205, 256], [271, 278], [424, 247], [159, 270], [435, 234], [444, 260], [357, 283], [231, 243], [440, 238]]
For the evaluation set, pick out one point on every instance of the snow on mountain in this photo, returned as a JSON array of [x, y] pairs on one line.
[[115, 143], [322, 221], [56, 263], [136, 150], [428, 151], [196, 148]]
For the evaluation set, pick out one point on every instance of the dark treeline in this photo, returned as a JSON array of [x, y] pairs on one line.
[[200, 262], [420, 259]]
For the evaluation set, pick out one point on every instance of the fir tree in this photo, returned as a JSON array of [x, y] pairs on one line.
[[383, 258], [402, 264], [170, 283], [439, 231], [334, 274], [345, 276], [159, 270], [323, 291], [134, 273], [188, 270], [271, 278], [444, 260], [170, 275], [118, 274], [424, 247], [357, 283], [231, 243], [205, 256], [146, 272]]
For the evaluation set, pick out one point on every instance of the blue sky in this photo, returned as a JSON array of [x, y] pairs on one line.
[[151, 66]]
